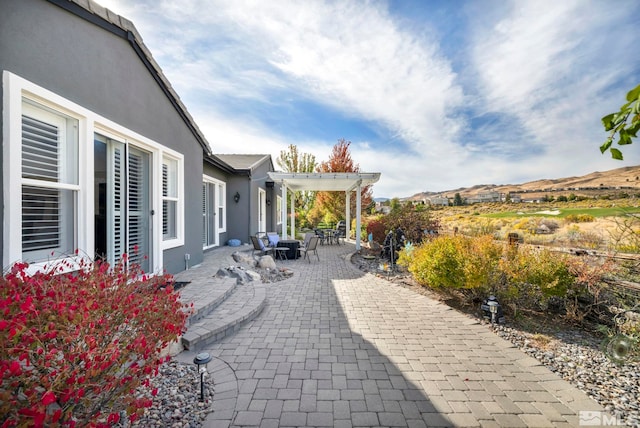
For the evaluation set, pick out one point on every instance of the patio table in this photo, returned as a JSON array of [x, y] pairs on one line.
[[330, 234], [292, 245]]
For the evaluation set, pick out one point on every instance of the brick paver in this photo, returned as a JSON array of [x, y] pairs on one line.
[[335, 346]]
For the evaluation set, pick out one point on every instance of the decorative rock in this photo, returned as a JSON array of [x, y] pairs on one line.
[[266, 262], [175, 403], [579, 359], [255, 276], [374, 246], [243, 257], [239, 273]]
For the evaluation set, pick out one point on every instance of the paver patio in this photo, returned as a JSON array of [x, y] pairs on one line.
[[335, 346]]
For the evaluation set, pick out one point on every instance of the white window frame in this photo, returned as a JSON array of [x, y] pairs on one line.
[[67, 172], [15, 90], [178, 198], [221, 208]]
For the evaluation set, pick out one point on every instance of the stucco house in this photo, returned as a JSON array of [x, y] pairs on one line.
[[99, 155], [256, 200]]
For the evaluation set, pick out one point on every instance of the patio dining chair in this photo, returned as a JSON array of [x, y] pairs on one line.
[[340, 232], [311, 247], [321, 235], [259, 247]]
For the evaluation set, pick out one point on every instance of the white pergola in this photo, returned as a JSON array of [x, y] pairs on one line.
[[328, 181]]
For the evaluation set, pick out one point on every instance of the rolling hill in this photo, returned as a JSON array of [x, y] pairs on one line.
[[625, 178]]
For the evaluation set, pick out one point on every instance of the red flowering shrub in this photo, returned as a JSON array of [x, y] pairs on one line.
[[376, 228], [76, 345]]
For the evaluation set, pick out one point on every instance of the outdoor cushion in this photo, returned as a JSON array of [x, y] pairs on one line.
[[273, 240], [261, 243]]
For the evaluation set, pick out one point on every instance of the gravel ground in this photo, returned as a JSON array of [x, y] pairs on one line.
[[177, 403], [576, 357]]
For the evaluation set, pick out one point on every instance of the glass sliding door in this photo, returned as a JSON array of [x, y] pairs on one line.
[[122, 202], [139, 208]]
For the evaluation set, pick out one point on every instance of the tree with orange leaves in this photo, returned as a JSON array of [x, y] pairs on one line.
[[331, 206]]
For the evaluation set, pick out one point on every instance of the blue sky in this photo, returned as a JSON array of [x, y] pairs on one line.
[[434, 95]]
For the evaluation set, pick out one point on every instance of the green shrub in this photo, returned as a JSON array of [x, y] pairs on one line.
[[437, 263], [521, 277], [579, 218], [455, 262], [532, 276]]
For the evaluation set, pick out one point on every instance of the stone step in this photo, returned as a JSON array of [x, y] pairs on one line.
[[244, 304], [208, 297]]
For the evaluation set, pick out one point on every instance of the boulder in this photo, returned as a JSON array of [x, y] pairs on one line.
[[255, 276], [266, 262], [241, 275], [374, 246], [243, 257]]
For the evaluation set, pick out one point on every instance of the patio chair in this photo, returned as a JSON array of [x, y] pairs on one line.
[[340, 232], [258, 246], [280, 251], [321, 236], [311, 247], [307, 237]]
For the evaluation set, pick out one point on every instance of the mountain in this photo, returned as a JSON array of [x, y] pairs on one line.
[[588, 185]]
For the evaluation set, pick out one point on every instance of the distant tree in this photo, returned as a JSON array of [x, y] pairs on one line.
[[507, 198], [291, 160], [395, 204], [457, 200], [624, 124], [330, 206], [572, 197], [562, 198]]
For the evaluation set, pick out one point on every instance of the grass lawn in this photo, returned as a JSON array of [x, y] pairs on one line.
[[563, 212]]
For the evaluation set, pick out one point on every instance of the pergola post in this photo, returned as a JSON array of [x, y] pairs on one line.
[[293, 215], [358, 209], [348, 214], [283, 211]]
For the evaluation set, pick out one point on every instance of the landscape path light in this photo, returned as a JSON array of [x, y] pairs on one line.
[[492, 310], [201, 360]]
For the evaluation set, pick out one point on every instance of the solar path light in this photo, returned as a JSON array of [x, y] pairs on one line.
[[201, 360]]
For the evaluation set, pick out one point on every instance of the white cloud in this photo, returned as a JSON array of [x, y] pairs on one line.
[[545, 68], [350, 56]]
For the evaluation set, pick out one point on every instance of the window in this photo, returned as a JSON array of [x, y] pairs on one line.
[[49, 147], [169, 198]]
